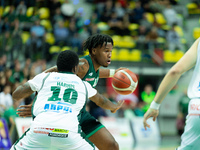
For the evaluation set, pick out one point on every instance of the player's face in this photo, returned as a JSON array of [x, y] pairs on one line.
[[103, 54]]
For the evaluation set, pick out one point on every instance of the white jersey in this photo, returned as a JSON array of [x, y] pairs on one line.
[[191, 136], [61, 96], [194, 86]]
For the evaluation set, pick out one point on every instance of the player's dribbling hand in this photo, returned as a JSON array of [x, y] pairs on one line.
[[150, 113], [24, 110], [119, 105]]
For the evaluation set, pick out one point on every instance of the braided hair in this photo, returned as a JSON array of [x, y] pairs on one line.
[[96, 40]]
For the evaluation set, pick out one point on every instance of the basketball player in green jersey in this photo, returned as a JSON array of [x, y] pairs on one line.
[[100, 49]]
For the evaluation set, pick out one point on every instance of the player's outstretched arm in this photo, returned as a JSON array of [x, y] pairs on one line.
[[105, 103], [106, 73], [171, 78]]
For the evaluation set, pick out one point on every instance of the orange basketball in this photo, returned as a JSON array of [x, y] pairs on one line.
[[124, 82]]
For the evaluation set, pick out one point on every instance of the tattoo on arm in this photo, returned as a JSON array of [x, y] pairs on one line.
[[102, 100], [82, 67]]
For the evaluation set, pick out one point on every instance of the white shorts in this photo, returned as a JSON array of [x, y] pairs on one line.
[[51, 139], [190, 139]]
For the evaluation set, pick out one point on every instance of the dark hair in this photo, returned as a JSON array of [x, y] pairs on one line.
[[96, 40], [67, 60]]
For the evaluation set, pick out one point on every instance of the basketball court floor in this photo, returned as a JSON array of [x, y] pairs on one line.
[[167, 143]]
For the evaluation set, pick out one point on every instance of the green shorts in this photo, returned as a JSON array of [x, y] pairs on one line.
[[89, 124]]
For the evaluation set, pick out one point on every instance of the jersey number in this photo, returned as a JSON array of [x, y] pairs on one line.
[[70, 95]]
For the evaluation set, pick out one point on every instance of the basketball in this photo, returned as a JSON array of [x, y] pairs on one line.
[[124, 82]]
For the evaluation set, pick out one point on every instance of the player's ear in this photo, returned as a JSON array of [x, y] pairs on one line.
[[94, 51]]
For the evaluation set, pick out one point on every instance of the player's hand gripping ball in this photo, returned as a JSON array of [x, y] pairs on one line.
[[124, 82]]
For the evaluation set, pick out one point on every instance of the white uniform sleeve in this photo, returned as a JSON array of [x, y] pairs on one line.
[[90, 89], [37, 81]]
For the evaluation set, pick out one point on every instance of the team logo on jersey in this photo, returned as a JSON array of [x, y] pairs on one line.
[[91, 73], [89, 79]]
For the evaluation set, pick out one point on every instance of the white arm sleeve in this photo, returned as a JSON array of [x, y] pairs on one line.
[[90, 89], [37, 81]]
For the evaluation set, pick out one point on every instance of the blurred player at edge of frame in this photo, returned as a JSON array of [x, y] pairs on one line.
[[191, 135]]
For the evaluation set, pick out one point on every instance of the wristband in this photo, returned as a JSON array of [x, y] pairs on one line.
[[154, 105], [112, 72]]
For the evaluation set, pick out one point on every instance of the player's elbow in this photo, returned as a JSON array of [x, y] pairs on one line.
[[16, 95], [114, 146], [175, 72]]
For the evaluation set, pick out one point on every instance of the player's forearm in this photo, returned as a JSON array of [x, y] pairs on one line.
[[103, 102], [166, 85], [104, 73], [107, 104], [22, 91], [52, 69]]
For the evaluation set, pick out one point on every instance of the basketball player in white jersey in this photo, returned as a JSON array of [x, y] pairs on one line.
[[57, 107], [190, 139]]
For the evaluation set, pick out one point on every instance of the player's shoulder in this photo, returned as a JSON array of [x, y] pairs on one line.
[[83, 67], [83, 63], [83, 60], [41, 75]]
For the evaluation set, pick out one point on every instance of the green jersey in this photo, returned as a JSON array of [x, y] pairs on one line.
[[92, 77], [88, 123]]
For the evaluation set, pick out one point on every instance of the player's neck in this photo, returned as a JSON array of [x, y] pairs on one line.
[[95, 64]]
